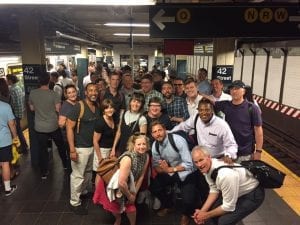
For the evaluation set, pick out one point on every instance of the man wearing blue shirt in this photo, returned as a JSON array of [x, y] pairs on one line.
[[8, 134], [175, 167]]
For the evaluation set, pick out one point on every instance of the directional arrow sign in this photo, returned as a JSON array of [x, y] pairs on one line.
[[190, 21], [158, 19]]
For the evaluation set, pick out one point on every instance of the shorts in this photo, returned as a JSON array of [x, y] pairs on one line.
[[6, 154]]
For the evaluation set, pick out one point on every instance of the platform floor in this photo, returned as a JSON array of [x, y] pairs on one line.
[[45, 202]]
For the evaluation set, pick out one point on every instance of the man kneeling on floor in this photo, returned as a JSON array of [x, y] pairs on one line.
[[234, 192], [175, 167]]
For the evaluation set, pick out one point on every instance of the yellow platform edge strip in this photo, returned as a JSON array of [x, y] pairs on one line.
[[290, 190]]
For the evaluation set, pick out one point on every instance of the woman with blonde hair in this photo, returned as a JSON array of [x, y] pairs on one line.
[[132, 167]]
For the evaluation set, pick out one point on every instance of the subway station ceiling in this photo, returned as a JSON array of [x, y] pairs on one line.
[[85, 24]]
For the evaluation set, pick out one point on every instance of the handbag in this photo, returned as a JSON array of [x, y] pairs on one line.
[[267, 175], [107, 168]]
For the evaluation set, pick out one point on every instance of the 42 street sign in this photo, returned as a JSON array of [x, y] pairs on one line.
[[207, 21]]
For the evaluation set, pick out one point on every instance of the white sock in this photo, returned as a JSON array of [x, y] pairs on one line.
[[7, 185]]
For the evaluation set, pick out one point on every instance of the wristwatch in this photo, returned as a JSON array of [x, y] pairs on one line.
[[258, 150], [174, 169]]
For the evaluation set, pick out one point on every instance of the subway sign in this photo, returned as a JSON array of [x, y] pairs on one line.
[[208, 21]]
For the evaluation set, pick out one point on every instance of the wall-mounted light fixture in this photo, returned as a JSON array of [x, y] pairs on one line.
[[78, 2], [127, 24]]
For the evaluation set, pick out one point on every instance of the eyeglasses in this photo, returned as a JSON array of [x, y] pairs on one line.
[[155, 105]]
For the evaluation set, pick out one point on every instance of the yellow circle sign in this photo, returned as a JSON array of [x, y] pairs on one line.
[[281, 15], [251, 15], [183, 16], [265, 15]]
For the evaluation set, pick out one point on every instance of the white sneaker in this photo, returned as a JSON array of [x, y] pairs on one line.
[[141, 197], [156, 204]]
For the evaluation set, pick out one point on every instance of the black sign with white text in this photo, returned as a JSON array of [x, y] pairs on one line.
[[238, 20], [31, 74], [223, 73]]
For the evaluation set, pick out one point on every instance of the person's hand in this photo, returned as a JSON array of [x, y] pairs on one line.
[[74, 156], [132, 198], [164, 165], [112, 153], [257, 155], [228, 160], [197, 216]]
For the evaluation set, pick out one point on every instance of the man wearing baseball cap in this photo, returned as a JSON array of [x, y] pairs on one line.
[[245, 122]]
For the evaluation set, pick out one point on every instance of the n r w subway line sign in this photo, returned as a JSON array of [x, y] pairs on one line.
[[207, 21]]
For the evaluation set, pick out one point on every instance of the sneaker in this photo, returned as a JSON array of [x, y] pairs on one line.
[[78, 210], [45, 175], [156, 204], [86, 195], [12, 189]]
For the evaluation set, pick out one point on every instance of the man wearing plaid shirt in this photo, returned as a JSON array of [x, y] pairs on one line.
[[148, 91], [18, 107], [176, 106]]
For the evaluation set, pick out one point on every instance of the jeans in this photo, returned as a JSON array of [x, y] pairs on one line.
[[24, 146], [43, 138], [245, 205], [192, 190]]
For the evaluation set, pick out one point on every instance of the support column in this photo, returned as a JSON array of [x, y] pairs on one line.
[[34, 66], [82, 65], [99, 56], [223, 59]]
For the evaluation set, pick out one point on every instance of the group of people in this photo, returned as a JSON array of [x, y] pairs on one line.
[[122, 121]]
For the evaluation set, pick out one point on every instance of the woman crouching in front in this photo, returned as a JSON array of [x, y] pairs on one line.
[[133, 165]]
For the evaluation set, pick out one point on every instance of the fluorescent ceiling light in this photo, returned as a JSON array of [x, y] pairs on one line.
[[127, 24], [77, 2], [128, 34]]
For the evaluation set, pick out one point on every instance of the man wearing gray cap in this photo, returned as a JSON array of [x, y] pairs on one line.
[[245, 122]]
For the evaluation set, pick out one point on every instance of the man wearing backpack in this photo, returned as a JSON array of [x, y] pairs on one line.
[[80, 130], [233, 193], [175, 166], [244, 119], [211, 131]]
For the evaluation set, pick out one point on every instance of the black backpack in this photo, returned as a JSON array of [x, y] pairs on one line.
[[63, 98], [267, 175], [190, 139]]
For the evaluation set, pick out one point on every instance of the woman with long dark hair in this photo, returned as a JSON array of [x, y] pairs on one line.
[[132, 121]]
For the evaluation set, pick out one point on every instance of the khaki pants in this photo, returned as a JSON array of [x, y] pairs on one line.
[[81, 175]]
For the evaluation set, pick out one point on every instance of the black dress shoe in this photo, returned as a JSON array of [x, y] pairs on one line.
[[78, 210]]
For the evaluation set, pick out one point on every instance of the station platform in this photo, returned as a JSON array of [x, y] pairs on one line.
[[45, 202]]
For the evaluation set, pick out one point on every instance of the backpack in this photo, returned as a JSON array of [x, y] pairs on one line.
[[267, 175], [63, 97], [190, 139]]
